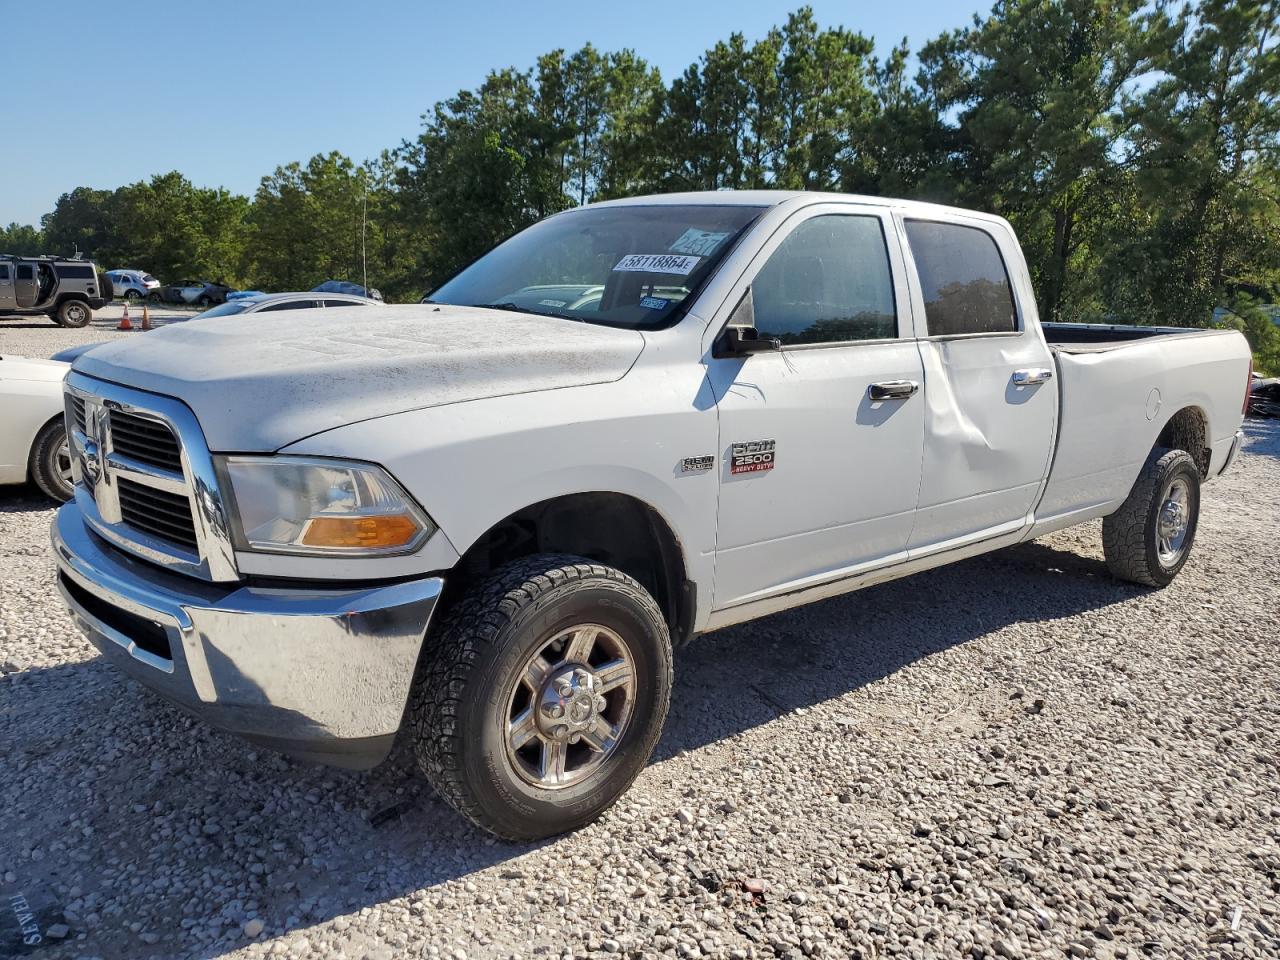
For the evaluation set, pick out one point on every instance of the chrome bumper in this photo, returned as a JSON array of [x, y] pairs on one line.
[[323, 674]]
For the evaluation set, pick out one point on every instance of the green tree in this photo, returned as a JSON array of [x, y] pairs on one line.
[[21, 240]]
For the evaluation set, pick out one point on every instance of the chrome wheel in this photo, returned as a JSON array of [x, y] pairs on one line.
[[76, 314], [62, 463], [570, 706], [1173, 522]]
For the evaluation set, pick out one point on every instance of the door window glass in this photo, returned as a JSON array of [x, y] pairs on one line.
[[962, 278], [24, 272], [4, 271], [828, 282]]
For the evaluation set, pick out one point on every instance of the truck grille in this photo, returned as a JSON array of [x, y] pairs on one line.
[[77, 407], [157, 512], [145, 479], [148, 441]]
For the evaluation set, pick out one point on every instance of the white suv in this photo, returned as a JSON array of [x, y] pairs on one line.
[[132, 284]]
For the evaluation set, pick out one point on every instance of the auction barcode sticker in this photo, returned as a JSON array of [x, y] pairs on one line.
[[657, 263]]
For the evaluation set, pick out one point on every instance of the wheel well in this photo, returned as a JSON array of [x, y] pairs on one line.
[[1188, 430], [611, 528]]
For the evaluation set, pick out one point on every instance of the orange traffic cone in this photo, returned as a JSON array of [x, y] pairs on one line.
[[125, 323], [146, 318]]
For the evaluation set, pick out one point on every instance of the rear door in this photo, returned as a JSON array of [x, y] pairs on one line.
[[992, 405], [26, 285], [818, 476]]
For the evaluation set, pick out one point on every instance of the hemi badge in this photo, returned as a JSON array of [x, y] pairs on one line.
[[697, 464], [753, 457]]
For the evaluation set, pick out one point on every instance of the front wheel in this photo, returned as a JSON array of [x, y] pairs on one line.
[[131, 294], [1149, 538], [543, 696], [74, 313]]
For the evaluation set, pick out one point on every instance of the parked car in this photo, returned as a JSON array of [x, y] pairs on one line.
[[132, 284], [33, 434], [254, 303], [1264, 398], [492, 528], [203, 293], [344, 286], [67, 291]]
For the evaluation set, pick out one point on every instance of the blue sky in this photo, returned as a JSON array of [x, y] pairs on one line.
[[226, 91]]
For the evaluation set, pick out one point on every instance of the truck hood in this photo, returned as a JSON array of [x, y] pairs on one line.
[[260, 381]]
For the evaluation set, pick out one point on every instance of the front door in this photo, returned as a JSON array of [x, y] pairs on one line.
[[7, 300], [26, 287], [819, 464], [992, 405]]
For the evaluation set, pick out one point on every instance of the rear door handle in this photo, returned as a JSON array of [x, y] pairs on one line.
[[1027, 378], [893, 389]]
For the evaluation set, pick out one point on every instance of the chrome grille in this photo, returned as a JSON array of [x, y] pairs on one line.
[[145, 479], [148, 441], [157, 512]]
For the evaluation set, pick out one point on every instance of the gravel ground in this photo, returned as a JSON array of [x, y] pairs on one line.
[[1012, 756], [41, 337]]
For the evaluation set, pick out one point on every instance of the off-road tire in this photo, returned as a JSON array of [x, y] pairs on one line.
[[1130, 538], [53, 315], [458, 706], [43, 464], [74, 313]]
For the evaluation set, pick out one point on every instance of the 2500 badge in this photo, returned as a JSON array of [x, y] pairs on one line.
[[753, 457]]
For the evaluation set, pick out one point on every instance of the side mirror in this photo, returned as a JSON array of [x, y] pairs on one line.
[[740, 337]]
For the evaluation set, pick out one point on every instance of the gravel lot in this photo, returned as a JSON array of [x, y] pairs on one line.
[[1015, 755]]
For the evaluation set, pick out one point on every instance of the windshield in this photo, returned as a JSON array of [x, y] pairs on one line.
[[228, 309], [625, 266]]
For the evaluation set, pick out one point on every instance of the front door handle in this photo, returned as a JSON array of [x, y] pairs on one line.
[[1027, 378], [893, 389]]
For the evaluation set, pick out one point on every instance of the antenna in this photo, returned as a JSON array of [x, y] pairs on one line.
[[364, 223]]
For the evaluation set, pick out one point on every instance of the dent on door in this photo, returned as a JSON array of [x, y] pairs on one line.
[[987, 438]]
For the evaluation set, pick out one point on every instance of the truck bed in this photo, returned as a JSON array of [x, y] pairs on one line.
[[1107, 336], [1117, 386]]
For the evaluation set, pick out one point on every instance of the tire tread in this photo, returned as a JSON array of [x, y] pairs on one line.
[[472, 630]]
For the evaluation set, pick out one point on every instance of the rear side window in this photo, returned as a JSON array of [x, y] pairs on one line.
[[288, 305], [962, 278], [344, 303], [828, 282], [74, 272]]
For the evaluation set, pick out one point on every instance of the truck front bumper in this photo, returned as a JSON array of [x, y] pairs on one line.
[[315, 671]]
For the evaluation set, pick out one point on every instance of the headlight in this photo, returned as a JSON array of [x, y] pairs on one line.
[[301, 505]]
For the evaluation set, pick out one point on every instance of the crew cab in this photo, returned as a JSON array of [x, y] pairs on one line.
[[482, 522]]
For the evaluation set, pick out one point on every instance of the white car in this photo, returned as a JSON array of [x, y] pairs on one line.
[[489, 519], [132, 284], [33, 437]]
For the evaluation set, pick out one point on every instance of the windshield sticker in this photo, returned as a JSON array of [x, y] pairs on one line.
[[656, 263], [700, 242], [552, 303], [654, 303]]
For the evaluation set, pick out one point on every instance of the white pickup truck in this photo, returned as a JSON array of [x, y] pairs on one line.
[[483, 522]]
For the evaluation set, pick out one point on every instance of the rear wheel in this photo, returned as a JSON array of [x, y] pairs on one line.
[[50, 464], [1149, 538], [74, 313], [543, 695]]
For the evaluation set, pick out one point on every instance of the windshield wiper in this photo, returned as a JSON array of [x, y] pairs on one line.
[[508, 305]]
